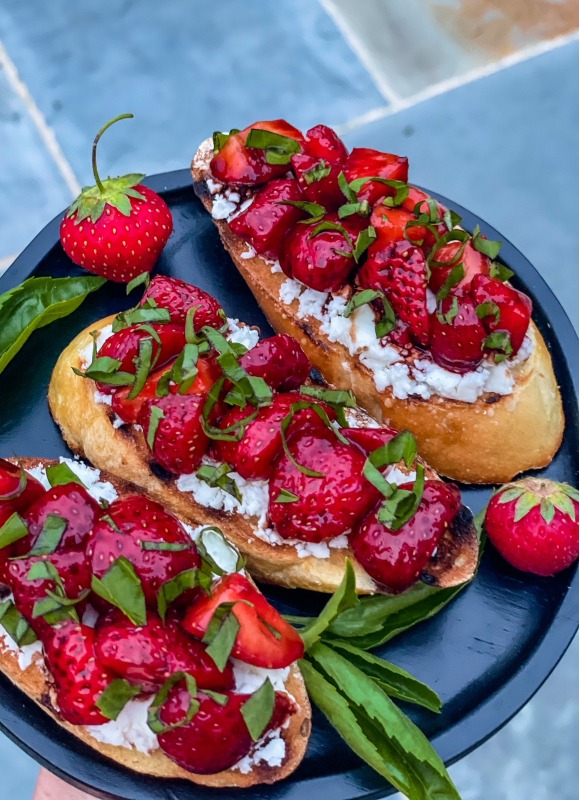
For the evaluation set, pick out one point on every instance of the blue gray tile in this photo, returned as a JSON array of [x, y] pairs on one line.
[[183, 69], [32, 191], [506, 147]]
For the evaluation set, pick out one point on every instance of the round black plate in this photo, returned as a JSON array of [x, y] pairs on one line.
[[486, 654]]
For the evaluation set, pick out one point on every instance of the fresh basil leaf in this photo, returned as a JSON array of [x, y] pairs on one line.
[[50, 535], [363, 209], [400, 506], [106, 370], [143, 366], [115, 697], [387, 322], [455, 235], [501, 341], [294, 409], [316, 173], [221, 641], [394, 681], [488, 309], [345, 597], [334, 397], [363, 242], [314, 209], [153, 714], [176, 586], [217, 697], [286, 497], [61, 474], [121, 587], [144, 279], [500, 271], [36, 303], [334, 226], [45, 571], [13, 530], [451, 219], [155, 418], [257, 711], [111, 522], [220, 138], [279, 149], [170, 547], [346, 189], [455, 276], [485, 246], [140, 314], [219, 476], [219, 553], [449, 316], [15, 625]]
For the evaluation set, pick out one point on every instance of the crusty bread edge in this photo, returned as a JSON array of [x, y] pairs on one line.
[[477, 442], [34, 681]]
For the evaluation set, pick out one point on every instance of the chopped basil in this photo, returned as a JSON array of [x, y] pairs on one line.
[[155, 418], [121, 587], [141, 280], [363, 242], [111, 522], [401, 505], [500, 271], [363, 209], [220, 138], [217, 697], [176, 586], [387, 322], [221, 634], [106, 370], [451, 219], [279, 149], [455, 276], [215, 550], [45, 571], [153, 717], [50, 535], [501, 341], [61, 474], [143, 365], [447, 319], [22, 481], [484, 245], [13, 530], [15, 625], [401, 188], [286, 497], [334, 226], [257, 711], [218, 476], [149, 312], [317, 172], [171, 547], [335, 397], [115, 697], [294, 409], [315, 210], [455, 235], [488, 309]]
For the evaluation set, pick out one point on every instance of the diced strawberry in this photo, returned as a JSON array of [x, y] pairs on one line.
[[457, 344], [514, 307], [318, 180], [78, 676], [124, 346], [18, 487], [237, 164], [474, 263], [178, 297], [364, 162], [74, 571], [400, 271], [264, 638], [322, 142], [147, 655], [390, 225], [72, 503], [395, 559], [326, 506], [208, 373], [136, 520], [418, 196], [179, 441], [279, 360], [217, 736], [268, 219], [369, 439], [6, 511]]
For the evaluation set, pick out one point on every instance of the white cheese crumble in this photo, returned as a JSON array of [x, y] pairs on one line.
[[271, 750], [129, 730], [26, 655], [249, 678], [249, 252], [90, 476]]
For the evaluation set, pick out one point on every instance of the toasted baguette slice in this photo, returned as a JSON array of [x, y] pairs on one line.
[[488, 441], [34, 681], [87, 427]]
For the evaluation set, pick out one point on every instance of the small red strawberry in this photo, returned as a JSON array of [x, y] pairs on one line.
[[117, 228], [508, 310], [128, 525], [533, 523], [322, 142], [474, 263], [175, 433], [18, 487], [457, 335], [6, 552], [279, 360], [363, 162], [324, 506], [147, 655], [416, 196], [318, 180], [394, 225], [265, 223], [400, 271], [78, 676], [369, 439], [70, 502], [395, 559], [178, 297], [217, 736]]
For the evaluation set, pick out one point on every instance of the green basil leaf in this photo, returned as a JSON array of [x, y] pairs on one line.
[[317, 172], [36, 303], [13, 530], [455, 235], [220, 138], [170, 547], [294, 409], [136, 316], [143, 279], [221, 641], [449, 316], [45, 571], [22, 482], [387, 322], [402, 504], [286, 497], [363, 242], [501, 341], [455, 276], [121, 587], [334, 397], [279, 149], [257, 711], [394, 681], [346, 189], [143, 366], [451, 219], [334, 226], [154, 419], [363, 209], [500, 271], [106, 370], [314, 209], [15, 625], [218, 476], [217, 697], [345, 597], [488, 309], [485, 246], [153, 716], [176, 586], [61, 474], [220, 554], [50, 535], [115, 697]]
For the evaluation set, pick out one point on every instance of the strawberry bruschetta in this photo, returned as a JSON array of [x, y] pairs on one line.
[[141, 635], [229, 430], [387, 294]]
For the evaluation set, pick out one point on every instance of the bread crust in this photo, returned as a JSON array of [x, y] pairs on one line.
[[479, 442], [88, 430], [34, 681]]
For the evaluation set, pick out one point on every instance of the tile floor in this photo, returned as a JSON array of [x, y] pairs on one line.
[[482, 96]]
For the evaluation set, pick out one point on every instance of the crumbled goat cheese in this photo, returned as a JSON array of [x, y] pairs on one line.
[[272, 751], [90, 476], [243, 334], [26, 655], [129, 730], [101, 397], [249, 252], [249, 678], [222, 207]]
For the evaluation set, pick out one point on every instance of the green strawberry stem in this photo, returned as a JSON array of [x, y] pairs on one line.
[[95, 143]]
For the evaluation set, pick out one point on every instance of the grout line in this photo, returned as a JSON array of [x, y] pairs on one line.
[[525, 54], [46, 133], [357, 45]]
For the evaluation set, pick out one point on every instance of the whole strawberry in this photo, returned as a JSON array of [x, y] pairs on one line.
[[117, 228], [534, 525]]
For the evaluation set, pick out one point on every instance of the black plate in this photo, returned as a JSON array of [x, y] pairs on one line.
[[486, 654]]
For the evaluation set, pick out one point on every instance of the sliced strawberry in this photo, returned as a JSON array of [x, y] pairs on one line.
[[391, 226], [18, 488], [364, 162], [74, 571], [416, 196], [147, 655], [326, 506], [237, 164], [217, 737], [279, 360], [268, 219], [179, 441], [178, 297], [400, 271], [78, 676], [6, 511], [457, 335], [474, 263], [322, 142], [369, 439], [264, 638], [514, 309], [208, 373], [318, 180], [70, 502], [395, 559], [136, 520]]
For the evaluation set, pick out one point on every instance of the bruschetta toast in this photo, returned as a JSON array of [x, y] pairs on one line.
[[115, 673], [239, 468], [387, 295]]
